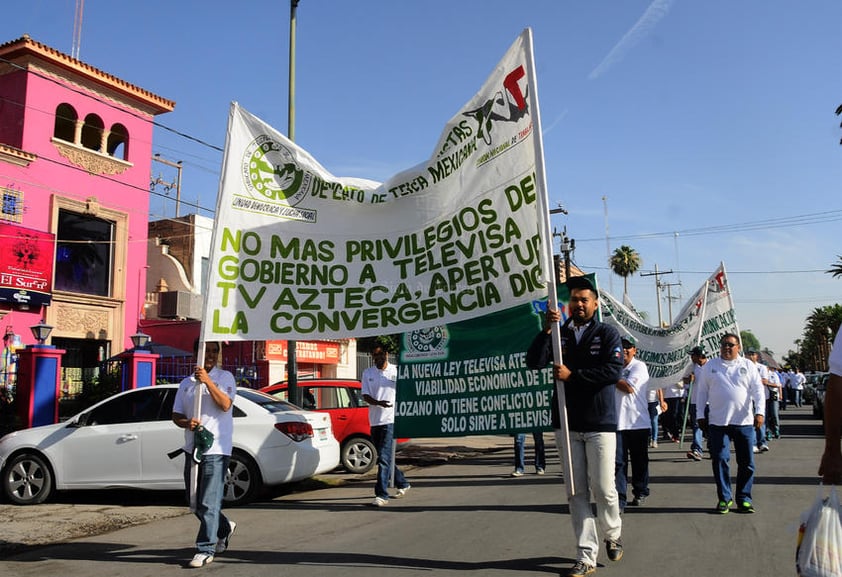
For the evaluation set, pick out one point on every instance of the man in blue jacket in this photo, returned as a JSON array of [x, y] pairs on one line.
[[591, 366]]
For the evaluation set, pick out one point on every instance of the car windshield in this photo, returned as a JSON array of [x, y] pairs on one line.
[[268, 402]]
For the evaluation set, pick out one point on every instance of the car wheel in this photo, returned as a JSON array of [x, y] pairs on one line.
[[358, 455], [27, 479], [242, 480]]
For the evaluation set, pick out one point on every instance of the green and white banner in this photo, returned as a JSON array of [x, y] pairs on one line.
[[298, 253], [469, 378], [703, 320]]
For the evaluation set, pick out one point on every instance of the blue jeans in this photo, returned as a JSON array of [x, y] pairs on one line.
[[383, 438], [632, 446], [698, 437], [773, 420], [213, 525], [653, 418], [520, 457], [719, 445]]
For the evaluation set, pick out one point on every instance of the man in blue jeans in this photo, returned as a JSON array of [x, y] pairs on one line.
[[731, 386], [520, 453], [217, 389], [699, 358], [379, 391]]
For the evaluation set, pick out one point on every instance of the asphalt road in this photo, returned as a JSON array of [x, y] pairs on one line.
[[469, 516]]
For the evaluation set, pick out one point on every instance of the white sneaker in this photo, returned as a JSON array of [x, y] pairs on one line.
[[379, 502], [222, 544], [755, 449], [517, 473], [539, 471], [201, 559], [403, 491], [764, 448]]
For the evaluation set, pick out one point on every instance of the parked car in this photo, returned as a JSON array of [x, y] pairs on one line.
[[342, 399], [124, 441]]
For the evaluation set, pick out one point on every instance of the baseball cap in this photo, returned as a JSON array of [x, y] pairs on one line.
[[699, 351]]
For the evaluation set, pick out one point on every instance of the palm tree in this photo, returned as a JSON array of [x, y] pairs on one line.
[[836, 269], [625, 262]]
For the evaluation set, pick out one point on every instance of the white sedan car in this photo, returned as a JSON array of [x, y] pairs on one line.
[[124, 442]]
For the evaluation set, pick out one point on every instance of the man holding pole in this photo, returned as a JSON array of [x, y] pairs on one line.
[[207, 455], [591, 366]]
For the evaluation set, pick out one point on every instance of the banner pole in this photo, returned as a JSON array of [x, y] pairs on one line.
[[549, 274]]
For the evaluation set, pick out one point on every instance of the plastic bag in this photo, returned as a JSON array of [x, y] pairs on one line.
[[819, 551]]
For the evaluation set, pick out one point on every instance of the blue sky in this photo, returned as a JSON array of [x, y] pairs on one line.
[[695, 132]]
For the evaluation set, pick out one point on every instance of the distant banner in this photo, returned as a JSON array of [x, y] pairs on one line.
[[470, 378], [666, 351], [26, 266], [300, 254]]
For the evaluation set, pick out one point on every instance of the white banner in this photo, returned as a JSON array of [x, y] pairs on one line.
[[300, 254], [666, 351]]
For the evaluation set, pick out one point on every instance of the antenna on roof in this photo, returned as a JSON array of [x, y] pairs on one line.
[[77, 29]]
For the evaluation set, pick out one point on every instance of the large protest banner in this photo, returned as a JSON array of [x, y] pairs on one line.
[[703, 320], [469, 378], [300, 254]]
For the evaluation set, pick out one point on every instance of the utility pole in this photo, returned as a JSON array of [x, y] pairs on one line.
[[293, 392], [670, 298], [608, 246], [567, 244], [657, 274], [170, 185]]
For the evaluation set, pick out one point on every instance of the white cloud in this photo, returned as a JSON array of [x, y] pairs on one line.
[[654, 13]]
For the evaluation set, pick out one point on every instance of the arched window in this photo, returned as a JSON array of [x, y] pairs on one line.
[[65, 126], [118, 142], [92, 132]]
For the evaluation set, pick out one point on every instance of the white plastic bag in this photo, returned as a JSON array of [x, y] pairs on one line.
[[819, 551]]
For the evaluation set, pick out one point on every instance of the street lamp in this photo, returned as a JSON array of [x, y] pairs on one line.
[[41, 331], [140, 339]]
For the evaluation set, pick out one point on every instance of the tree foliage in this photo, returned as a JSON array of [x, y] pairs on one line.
[[814, 345], [836, 268], [750, 342], [625, 262]]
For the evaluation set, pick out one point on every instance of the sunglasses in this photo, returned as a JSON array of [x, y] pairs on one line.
[[728, 345]]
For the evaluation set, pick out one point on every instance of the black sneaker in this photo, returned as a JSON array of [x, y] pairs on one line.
[[745, 507], [614, 548], [638, 501], [580, 569], [722, 507]]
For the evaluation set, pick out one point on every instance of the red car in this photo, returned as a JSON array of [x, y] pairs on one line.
[[343, 400]]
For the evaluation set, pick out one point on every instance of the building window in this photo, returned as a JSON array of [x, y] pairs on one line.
[[118, 142], [65, 126], [11, 209], [84, 254], [92, 132]]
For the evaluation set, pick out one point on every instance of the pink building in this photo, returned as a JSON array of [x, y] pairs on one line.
[[75, 163]]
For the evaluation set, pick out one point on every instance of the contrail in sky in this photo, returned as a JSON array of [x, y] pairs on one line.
[[656, 10]]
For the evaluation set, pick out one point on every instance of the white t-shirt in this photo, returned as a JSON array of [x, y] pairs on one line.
[[214, 419], [764, 376], [835, 359], [733, 390], [633, 408], [381, 385]]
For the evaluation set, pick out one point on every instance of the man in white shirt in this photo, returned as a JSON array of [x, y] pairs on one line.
[[379, 391], [831, 464], [797, 383], [699, 358], [774, 394], [217, 389], [632, 426], [731, 386], [760, 444]]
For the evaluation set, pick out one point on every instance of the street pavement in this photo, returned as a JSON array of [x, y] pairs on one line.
[[469, 516]]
